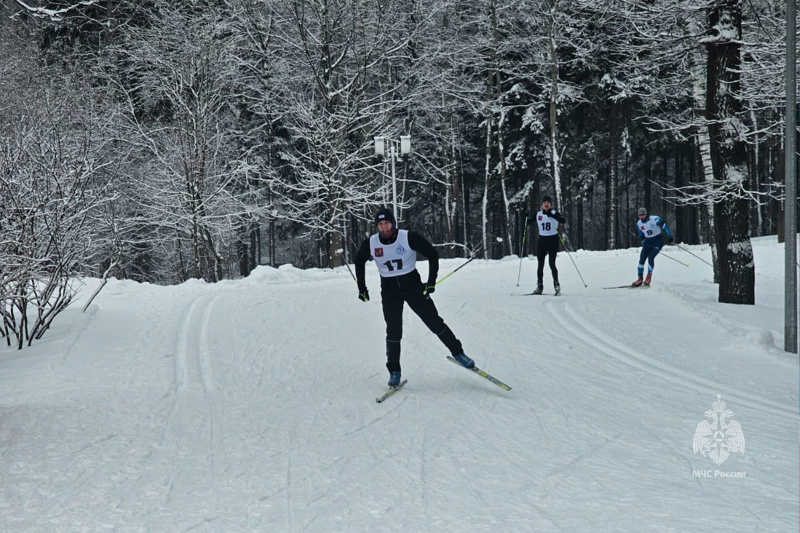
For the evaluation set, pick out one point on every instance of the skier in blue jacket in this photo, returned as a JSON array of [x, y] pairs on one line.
[[651, 232]]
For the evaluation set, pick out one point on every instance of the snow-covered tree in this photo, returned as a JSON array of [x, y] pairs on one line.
[[191, 183], [57, 158]]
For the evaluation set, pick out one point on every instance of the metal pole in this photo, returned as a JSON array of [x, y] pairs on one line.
[[470, 260], [585, 286], [695, 255], [522, 248], [394, 181], [790, 200]]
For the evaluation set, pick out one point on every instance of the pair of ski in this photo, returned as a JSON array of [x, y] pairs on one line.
[[556, 293], [391, 390], [629, 287]]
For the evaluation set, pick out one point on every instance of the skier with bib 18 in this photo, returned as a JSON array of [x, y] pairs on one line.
[[395, 253], [547, 219], [651, 232]]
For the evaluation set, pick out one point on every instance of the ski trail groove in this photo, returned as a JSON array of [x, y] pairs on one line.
[[601, 342], [190, 424]]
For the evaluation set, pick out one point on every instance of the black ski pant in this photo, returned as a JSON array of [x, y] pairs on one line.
[[548, 245], [423, 306]]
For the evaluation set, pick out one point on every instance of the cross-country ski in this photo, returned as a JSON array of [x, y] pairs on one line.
[[390, 391], [481, 373]]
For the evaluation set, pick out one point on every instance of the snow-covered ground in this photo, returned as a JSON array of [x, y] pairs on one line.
[[249, 406]]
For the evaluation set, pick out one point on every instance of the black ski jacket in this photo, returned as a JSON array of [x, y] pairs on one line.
[[419, 244]]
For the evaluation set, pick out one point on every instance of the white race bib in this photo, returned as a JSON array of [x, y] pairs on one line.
[[547, 225], [393, 259], [650, 228]]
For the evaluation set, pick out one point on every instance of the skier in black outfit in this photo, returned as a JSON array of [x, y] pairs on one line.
[[394, 252], [547, 219]]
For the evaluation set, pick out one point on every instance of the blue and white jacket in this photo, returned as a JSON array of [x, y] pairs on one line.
[[651, 231]]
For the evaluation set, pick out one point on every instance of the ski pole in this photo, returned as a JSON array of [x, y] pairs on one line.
[[670, 257], [585, 286], [347, 264], [690, 253], [351, 272], [522, 249], [344, 257], [451, 273], [475, 256]]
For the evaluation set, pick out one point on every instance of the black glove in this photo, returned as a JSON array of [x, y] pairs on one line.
[[364, 295], [429, 288], [670, 240]]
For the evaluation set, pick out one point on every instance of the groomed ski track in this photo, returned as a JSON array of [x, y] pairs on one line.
[[249, 405]]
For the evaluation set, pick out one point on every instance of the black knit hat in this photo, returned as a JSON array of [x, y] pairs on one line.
[[385, 214], [547, 199]]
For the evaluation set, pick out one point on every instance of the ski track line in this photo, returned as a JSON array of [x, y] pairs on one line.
[[615, 349], [174, 396], [289, 497], [419, 440], [89, 320], [182, 348], [207, 379], [206, 373], [193, 365]]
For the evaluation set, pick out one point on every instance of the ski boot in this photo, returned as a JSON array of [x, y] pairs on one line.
[[538, 289], [638, 282], [557, 287], [394, 378], [648, 278], [464, 361]]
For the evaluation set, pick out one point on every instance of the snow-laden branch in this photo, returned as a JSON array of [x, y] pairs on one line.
[[717, 191], [55, 15]]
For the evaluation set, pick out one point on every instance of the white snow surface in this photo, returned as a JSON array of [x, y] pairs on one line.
[[249, 406]]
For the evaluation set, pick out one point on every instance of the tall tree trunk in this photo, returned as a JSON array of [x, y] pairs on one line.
[[334, 245], [608, 202], [755, 182], [703, 141], [680, 232], [555, 160], [486, 175], [780, 170], [506, 221], [593, 212], [613, 173], [463, 197], [729, 153], [498, 85], [579, 242], [456, 184]]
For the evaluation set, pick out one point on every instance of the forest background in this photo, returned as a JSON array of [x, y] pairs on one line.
[[164, 140]]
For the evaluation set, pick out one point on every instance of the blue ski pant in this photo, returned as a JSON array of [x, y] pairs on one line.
[[648, 254]]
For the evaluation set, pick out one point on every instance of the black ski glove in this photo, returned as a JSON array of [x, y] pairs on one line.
[[364, 295], [670, 240], [429, 288]]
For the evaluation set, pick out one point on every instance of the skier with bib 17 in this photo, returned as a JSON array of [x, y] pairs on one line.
[[651, 232], [395, 251]]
